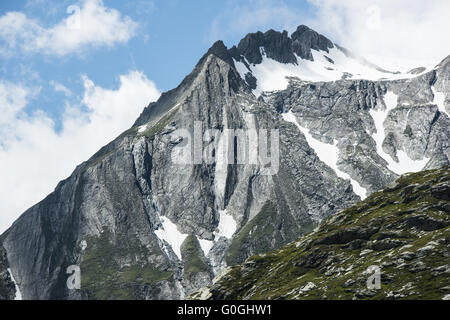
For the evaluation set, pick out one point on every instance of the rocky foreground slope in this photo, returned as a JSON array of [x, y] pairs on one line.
[[404, 230], [141, 225]]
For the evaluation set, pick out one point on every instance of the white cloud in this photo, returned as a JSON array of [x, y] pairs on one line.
[[12, 99], [255, 15], [58, 87], [401, 33], [16, 30], [34, 157], [89, 25]]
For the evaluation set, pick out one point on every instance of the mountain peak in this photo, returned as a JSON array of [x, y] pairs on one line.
[[276, 45], [218, 48], [280, 46], [305, 39]]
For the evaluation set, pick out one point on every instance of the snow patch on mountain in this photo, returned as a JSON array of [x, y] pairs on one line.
[[168, 233], [142, 128], [18, 293], [227, 225], [327, 153], [405, 164], [206, 245], [439, 100]]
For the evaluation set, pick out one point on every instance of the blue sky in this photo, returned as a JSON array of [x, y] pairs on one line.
[[170, 38], [74, 74]]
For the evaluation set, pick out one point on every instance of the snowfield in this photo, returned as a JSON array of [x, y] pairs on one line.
[[272, 75], [168, 233], [327, 153]]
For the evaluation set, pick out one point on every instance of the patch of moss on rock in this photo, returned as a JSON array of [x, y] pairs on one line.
[[193, 257], [151, 132], [115, 268], [258, 234]]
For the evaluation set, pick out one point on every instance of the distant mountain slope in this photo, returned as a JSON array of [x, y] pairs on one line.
[[404, 230]]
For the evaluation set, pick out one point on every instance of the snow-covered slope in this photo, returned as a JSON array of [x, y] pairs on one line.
[[333, 65], [169, 235]]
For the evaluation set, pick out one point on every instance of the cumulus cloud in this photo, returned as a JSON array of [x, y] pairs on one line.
[[34, 157], [89, 25], [395, 34], [58, 87], [12, 100]]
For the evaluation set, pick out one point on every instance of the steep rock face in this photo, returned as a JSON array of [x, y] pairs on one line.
[[402, 231], [144, 219], [7, 287], [122, 201], [347, 113], [304, 39]]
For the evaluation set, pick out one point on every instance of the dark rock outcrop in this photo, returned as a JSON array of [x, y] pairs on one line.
[[280, 47]]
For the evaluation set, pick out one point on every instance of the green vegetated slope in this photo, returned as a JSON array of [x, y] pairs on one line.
[[404, 230], [194, 260]]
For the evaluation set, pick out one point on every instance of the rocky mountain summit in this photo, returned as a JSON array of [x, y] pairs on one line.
[[403, 231], [161, 210]]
